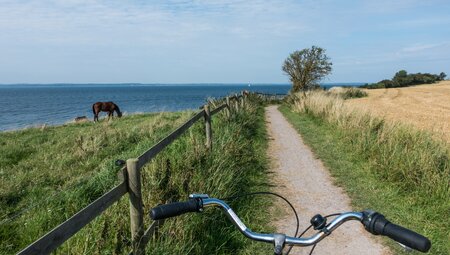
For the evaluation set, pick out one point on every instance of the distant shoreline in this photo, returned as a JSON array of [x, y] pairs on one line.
[[174, 84], [31, 105]]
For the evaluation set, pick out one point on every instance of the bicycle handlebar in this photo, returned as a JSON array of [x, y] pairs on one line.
[[373, 222]]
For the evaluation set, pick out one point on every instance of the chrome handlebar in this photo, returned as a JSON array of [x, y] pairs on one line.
[[373, 222], [270, 238]]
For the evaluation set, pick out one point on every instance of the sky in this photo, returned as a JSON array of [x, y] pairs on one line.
[[215, 41]]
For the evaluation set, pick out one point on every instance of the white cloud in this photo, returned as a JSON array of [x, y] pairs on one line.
[[258, 34], [166, 21], [421, 47]]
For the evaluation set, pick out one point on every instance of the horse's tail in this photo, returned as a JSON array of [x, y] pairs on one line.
[[93, 108]]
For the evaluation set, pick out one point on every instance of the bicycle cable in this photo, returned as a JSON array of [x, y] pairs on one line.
[[293, 209], [273, 194], [304, 231]]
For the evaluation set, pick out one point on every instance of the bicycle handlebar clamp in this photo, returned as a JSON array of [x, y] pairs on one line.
[[279, 241]]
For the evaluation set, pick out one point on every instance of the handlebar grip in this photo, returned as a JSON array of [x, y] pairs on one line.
[[407, 237], [377, 224], [174, 209]]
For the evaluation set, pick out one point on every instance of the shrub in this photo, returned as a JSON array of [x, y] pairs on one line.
[[403, 79], [347, 92]]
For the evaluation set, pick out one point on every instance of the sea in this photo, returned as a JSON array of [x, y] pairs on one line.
[[34, 105]]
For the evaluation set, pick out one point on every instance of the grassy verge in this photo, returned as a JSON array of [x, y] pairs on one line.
[[236, 165], [389, 168], [48, 175]]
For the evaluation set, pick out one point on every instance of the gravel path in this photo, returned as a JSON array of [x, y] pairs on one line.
[[305, 182]]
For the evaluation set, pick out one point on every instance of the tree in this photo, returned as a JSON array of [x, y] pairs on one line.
[[442, 76], [307, 67], [401, 78], [401, 74]]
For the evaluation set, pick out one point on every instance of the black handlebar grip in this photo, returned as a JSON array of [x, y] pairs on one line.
[[407, 237], [174, 209], [377, 224]]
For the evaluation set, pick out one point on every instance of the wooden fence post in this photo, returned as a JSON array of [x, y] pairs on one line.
[[136, 208], [243, 100], [208, 127], [236, 102], [228, 107]]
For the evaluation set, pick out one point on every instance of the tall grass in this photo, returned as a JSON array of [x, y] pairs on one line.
[[410, 163], [236, 165], [49, 175]]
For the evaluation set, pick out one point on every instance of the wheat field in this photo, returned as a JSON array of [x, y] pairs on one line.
[[426, 106]]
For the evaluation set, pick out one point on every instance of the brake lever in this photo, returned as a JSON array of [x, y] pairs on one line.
[[405, 248]]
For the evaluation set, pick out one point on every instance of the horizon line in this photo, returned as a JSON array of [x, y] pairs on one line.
[[187, 83]]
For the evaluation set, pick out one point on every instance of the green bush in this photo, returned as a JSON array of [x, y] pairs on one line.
[[403, 79], [353, 93], [342, 92]]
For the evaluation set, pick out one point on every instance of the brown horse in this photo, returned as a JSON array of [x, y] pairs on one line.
[[109, 107]]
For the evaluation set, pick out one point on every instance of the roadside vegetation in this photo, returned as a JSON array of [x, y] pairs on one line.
[[49, 174], [347, 92], [385, 166], [403, 79]]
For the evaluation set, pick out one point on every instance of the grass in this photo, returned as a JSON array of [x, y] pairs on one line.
[[236, 165], [388, 167], [48, 175]]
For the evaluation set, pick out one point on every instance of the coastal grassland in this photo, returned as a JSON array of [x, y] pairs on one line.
[[48, 175], [385, 166]]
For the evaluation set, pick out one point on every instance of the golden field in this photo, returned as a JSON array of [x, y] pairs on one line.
[[425, 106]]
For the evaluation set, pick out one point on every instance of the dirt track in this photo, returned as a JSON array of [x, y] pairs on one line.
[[426, 106], [305, 182]]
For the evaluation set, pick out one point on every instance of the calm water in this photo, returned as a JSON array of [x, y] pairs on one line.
[[31, 105]]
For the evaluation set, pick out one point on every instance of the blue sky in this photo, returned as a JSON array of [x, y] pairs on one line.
[[181, 41]]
